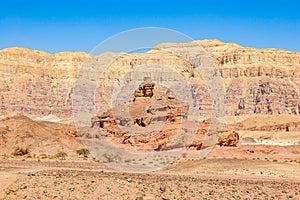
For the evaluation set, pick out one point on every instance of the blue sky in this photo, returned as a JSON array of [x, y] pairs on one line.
[[81, 25]]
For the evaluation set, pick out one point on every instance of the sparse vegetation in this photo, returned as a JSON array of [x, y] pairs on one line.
[[83, 152], [61, 155], [43, 156], [163, 163], [21, 151], [28, 156], [5, 156], [111, 157]]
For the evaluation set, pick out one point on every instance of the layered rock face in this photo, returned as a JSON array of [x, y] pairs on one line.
[[256, 81], [37, 83]]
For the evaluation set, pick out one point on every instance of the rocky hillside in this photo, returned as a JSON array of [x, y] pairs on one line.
[[257, 81], [39, 137]]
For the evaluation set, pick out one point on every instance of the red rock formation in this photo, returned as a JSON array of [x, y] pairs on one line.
[[228, 138]]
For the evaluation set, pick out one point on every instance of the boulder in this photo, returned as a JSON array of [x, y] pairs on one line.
[[228, 138]]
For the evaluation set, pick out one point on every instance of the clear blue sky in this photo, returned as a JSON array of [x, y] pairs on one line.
[[57, 26]]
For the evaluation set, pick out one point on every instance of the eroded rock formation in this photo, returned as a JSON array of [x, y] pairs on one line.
[[153, 121]]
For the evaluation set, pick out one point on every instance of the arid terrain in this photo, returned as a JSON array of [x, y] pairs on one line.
[[190, 179], [52, 128]]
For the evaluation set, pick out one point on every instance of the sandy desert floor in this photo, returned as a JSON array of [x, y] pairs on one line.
[[187, 179]]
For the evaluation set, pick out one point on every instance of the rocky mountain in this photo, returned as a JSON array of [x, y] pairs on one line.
[[256, 81]]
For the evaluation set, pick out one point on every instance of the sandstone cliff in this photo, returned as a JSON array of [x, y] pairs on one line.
[[37, 83], [257, 81]]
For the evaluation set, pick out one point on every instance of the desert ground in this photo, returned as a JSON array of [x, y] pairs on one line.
[[187, 179]]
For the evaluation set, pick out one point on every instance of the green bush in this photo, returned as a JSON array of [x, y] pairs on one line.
[[43, 156], [5, 156], [28, 156], [61, 154], [20, 151], [84, 152]]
